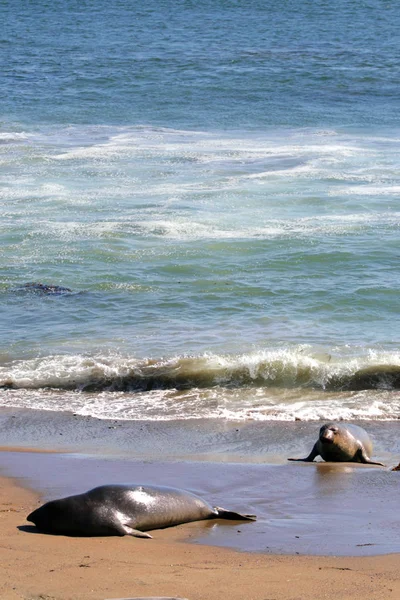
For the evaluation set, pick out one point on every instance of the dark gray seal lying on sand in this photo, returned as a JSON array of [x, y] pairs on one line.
[[125, 510], [342, 443]]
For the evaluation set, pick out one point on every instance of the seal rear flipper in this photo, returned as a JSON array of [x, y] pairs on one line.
[[366, 460], [128, 530], [222, 513]]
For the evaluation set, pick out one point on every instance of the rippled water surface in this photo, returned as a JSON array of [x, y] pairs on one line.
[[216, 184]]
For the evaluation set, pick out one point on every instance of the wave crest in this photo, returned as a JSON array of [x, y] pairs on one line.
[[289, 368]]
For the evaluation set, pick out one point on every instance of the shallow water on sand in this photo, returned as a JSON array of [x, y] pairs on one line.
[[322, 509]]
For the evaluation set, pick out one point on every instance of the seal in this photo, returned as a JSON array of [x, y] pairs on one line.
[[125, 510], [342, 443], [44, 288]]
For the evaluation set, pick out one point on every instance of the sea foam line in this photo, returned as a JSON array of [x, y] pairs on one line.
[[167, 405]]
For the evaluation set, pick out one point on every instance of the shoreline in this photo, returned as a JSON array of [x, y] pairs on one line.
[[308, 514], [213, 440], [58, 567], [296, 503], [240, 466]]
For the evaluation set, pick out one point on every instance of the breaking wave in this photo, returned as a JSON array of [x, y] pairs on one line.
[[286, 368]]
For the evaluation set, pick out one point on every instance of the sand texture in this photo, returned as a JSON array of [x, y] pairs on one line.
[[36, 566]]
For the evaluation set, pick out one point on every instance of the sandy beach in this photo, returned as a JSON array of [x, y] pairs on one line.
[[37, 566], [323, 530], [199, 252]]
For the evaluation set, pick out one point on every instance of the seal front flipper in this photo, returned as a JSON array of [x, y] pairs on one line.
[[366, 460], [313, 454], [222, 513]]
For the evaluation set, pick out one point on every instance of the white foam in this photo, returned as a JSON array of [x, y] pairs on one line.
[[166, 405], [368, 190], [206, 148], [287, 386], [11, 137]]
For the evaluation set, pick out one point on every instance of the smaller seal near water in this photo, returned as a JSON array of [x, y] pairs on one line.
[[126, 510], [342, 443]]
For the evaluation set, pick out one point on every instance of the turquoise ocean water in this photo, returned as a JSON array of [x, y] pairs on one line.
[[218, 185]]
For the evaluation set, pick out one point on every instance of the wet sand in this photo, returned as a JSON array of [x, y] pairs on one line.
[[314, 509], [320, 509], [218, 440], [323, 530], [42, 567]]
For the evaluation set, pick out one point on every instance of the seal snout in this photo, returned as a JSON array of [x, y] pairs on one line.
[[37, 517], [31, 517], [326, 440], [327, 436]]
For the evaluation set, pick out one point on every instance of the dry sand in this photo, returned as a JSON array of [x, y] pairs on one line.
[[36, 566]]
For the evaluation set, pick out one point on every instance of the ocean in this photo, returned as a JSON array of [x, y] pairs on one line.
[[216, 185]]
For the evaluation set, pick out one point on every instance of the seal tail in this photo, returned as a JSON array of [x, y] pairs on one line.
[[222, 513]]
